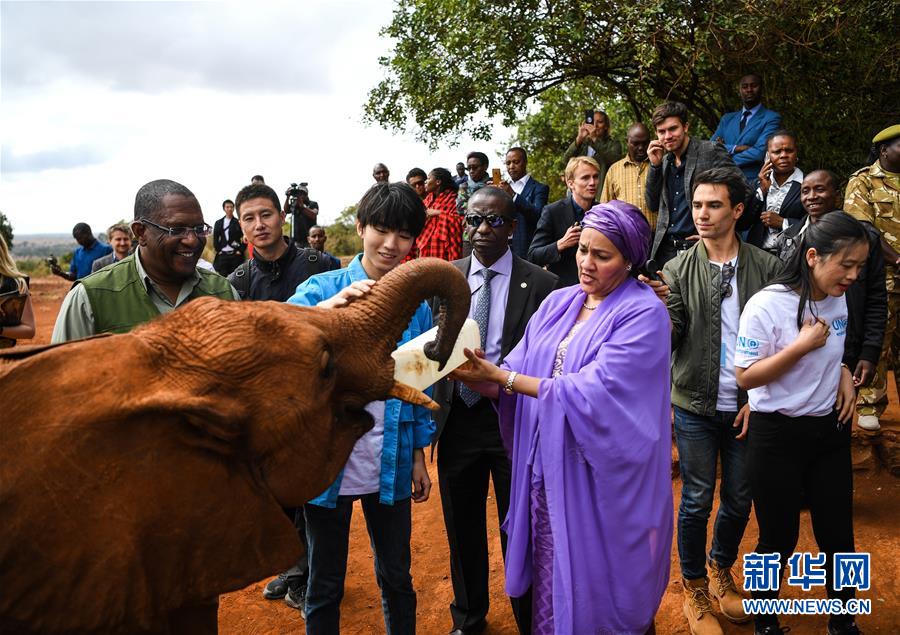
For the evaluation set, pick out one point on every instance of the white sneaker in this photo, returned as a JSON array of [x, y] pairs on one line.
[[868, 422]]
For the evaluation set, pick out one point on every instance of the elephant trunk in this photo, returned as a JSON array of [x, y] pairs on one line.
[[378, 321]]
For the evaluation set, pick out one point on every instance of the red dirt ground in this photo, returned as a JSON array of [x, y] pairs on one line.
[[876, 517]]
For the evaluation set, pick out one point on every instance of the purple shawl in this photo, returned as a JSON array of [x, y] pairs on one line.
[[603, 431]]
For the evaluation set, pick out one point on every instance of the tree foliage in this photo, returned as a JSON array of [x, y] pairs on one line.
[[6, 230], [342, 237], [831, 68]]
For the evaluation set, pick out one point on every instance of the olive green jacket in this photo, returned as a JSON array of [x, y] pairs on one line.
[[695, 310]]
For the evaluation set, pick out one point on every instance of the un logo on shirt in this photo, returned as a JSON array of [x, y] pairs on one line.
[[839, 325], [748, 346]]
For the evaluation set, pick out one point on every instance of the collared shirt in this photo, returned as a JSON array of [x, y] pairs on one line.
[[774, 200], [499, 297], [83, 259], [518, 186], [76, 317], [681, 223], [626, 181]]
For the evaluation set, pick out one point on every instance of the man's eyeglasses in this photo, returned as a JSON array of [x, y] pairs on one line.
[[725, 287], [201, 231], [494, 220]]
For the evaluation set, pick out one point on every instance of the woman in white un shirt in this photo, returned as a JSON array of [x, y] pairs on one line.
[[788, 358]]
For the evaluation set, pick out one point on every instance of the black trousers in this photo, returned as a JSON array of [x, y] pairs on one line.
[[470, 451], [787, 458]]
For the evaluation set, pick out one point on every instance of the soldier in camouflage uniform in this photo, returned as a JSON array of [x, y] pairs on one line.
[[873, 196]]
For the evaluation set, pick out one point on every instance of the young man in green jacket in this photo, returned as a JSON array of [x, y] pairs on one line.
[[708, 286]]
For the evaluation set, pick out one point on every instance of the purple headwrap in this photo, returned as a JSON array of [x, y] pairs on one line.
[[625, 226]]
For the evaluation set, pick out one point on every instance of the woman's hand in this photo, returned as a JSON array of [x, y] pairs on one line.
[[479, 374], [742, 420], [813, 335], [431, 212], [421, 482], [846, 396], [347, 295], [763, 176]]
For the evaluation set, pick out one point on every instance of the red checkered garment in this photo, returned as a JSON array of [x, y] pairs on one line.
[[442, 235]]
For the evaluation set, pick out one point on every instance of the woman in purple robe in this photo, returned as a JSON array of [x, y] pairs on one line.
[[585, 416]]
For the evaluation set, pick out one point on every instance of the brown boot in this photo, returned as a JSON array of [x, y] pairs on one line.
[[698, 608], [724, 590]]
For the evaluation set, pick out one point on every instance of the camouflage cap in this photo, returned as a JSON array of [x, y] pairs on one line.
[[887, 134]]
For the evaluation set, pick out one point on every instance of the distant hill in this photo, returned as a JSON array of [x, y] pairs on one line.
[[42, 245]]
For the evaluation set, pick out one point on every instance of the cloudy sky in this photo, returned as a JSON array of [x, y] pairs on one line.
[[97, 98]]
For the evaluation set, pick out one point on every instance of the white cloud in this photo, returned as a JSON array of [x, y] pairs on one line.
[[207, 94]]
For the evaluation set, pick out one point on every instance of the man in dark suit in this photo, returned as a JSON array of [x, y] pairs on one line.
[[506, 291], [529, 195], [675, 159], [744, 133], [559, 226], [228, 241]]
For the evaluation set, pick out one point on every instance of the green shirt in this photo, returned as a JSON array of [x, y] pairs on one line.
[[76, 316]]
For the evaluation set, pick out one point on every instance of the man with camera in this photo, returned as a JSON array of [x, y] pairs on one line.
[[89, 249], [301, 211]]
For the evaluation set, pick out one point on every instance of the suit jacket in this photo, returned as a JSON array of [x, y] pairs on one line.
[[528, 286], [555, 219], [528, 210], [235, 235], [791, 208], [756, 134], [700, 156]]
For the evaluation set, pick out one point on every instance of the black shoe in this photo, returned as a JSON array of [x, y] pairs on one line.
[[276, 588], [843, 627], [296, 598], [476, 628]]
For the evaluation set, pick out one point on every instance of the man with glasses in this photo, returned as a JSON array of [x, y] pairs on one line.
[[506, 291], [158, 277], [708, 286]]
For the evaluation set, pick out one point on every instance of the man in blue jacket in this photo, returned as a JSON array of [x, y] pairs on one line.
[[744, 133], [388, 461]]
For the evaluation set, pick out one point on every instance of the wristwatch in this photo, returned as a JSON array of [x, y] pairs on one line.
[[508, 388]]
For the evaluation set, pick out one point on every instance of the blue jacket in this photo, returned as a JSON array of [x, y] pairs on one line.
[[756, 133], [406, 427]]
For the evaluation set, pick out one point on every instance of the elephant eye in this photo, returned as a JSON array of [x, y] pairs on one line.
[[326, 366]]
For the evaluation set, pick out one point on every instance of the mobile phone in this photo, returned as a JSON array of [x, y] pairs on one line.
[[495, 176], [589, 116], [650, 268]]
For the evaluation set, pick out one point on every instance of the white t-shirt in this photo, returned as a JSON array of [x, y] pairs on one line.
[[731, 315], [768, 325], [362, 474]]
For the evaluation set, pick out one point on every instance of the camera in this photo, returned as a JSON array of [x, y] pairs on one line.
[[52, 261], [296, 189]]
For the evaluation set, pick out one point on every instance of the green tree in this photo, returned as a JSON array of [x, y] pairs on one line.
[[342, 237], [6, 230], [832, 68]]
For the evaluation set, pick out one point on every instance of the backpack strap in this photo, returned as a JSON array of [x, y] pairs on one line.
[[240, 279]]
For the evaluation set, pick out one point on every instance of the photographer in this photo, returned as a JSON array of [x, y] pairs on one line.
[[89, 249], [301, 211]]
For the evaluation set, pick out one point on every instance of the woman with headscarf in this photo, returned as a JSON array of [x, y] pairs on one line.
[[585, 415], [442, 235]]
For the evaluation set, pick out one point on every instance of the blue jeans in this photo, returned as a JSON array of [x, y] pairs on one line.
[[701, 440], [327, 536]]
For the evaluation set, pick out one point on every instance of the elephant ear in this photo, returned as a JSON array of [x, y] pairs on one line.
[[116, 514]]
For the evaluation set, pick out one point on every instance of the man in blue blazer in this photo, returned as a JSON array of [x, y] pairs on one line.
[[530, 197], [744, 133]]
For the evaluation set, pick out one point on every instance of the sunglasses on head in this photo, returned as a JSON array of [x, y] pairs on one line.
[[494, 220]]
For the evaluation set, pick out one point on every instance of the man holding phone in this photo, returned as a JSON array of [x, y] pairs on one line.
[[593, 141], [529, 195]]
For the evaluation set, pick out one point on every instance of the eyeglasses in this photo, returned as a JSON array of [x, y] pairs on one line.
[[725, 287], [200, 231], [494, 220]]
